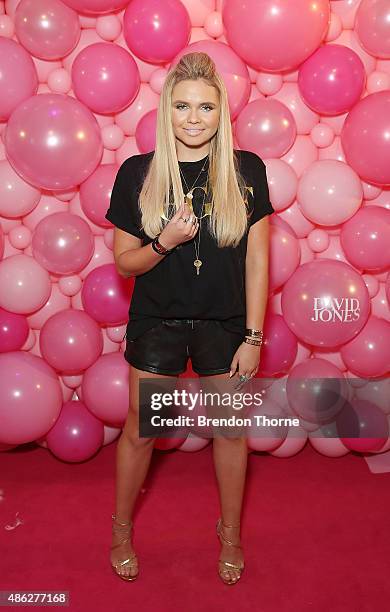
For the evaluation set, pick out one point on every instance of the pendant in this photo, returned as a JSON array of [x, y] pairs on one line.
[[197, 264], [188, 198]]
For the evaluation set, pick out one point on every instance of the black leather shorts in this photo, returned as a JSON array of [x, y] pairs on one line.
[[166, 347]]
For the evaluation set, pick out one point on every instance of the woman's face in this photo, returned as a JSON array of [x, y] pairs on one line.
[[195, 114]]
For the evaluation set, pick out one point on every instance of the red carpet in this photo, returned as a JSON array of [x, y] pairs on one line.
[[314, 531]]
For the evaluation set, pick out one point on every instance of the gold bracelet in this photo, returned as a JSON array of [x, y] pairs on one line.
[[253, 332], [251, 341]]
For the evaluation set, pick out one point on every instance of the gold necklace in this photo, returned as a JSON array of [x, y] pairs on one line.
[[189, 196], [198, 262]]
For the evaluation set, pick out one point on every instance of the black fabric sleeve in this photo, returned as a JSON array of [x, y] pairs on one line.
[[261, 203], [123, 211]]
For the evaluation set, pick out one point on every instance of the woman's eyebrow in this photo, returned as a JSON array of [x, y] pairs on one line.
[[200, 103]]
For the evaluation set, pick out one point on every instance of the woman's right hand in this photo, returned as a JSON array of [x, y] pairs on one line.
[[177, 230]]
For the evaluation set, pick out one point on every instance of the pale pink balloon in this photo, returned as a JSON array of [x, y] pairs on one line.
[[365, 138], [365, 239], [59, 81], [377, 391], [157, 80], [20, 237], [105, 295], [295, 219], [279, 349], [145, 134], [369, 353], [267, 437], [7, 26], [284, 257], [378, 81], [282, 183], [213, 24], [145, 101], [71, 341], [346, 11], [193, 444], [30, 397], [198, 11], [331, 356], [53, 141], [348, 38], [111, 434], [294, 442], [105, 78], [108, 27], [318, 240], [305, 119], [329, 192], [335, 27], [302, 153], [334, 251], [25, 284], [282, 224], [372, 284], [72, 381], [19, 79], [322, 135], [112, 137], [102, 255], [266, 127], [332, 79], [156, 31], [379, 304], [372, 26], [95, 193], [96, 7], [14, 331], [48, 205], [330, 447], [17, 198], [269, 84], [56, 302], [325, 303], [275, 37], [46, 28], [105, 389]]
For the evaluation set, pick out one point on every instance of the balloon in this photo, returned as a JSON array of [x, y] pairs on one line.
[[19, 79], [53, 141], [95, 193], [365, 239], [362, 426], [318, 240], [14, 331], [372, 25], [59, 81], [289, 95], [294, 442], [368, 354], [328, 446], [325, 303], [57, 301], [193, 444], [25, 284], [284, 256], [96, 7], [145, 134], [266, 437], [280, 347], [30, 397], [17, 198], [282, 183], [105, 295], [145, 101]]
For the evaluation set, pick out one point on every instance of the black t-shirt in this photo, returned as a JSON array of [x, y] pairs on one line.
[[172, 288]]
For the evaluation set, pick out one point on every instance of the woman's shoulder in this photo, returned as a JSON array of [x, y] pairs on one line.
[[136, 163], [248, 159]]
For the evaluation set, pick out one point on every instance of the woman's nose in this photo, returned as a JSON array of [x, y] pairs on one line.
[[194, 115]]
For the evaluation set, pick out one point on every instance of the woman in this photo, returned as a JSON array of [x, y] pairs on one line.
[[191, 227]]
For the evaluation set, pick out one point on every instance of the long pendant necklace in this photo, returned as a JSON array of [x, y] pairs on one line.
[[189, 195]]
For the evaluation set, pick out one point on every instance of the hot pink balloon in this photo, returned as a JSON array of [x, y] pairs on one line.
[[77, 435], [266, 127], [14, 331], [71, 341], [362, 426], [145, 134], [156, 31], [53, 141], [105, 77], [18, 80], [95, 193], [284, 256], [280, 346], [30, 397], [325, 303], [96, 7], [332, 79], [369, 353], [63, 243], [372, 26], [25, 284], [365, 138], [46, 28], [273, 35], [365, 239], [105, 295]]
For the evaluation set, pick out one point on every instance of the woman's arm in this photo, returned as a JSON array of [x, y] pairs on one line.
[[256, 273]]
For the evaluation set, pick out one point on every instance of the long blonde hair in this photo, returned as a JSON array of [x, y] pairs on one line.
[[228, 221]]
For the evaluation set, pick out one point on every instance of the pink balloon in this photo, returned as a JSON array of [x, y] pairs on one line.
[[63, 243], [273, 36], [388, 288], [145, 101], [53, 141], [327, 446], [318, 240], [279, 349], [294, 442], [14, 331], [284, 256], [325, 303], [105, 295], [71, 341], [365, 138], [266, 127], [282, 183], [56, 302], [95, 193], [46, 28], [30, 397], [77, 435], [145, 134], [156, 31], [372, 25], [19, 79], [17, 198], [369, 353], [25, 284], [96, 7], [362, 426], [105, 77], [365, 239], [332, 79]]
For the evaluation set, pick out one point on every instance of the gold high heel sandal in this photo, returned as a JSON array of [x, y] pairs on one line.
[[226, 564], [124, 528]]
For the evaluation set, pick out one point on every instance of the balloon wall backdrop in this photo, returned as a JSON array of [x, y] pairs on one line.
[[309, 92]]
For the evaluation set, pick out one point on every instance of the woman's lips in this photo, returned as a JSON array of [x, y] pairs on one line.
[[193, 132]]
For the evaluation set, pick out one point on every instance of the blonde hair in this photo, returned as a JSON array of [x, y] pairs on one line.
[[228, 221]]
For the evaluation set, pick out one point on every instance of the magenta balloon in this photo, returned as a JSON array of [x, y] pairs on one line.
[[372, 26], [279, 349], [18, 76], [53, 141], [63, 243], [365, 239], [46, 28], [266, 127], [365, 138], [362, 426], [369, 353], [332, 80], [105, 77], [325, 303], [95, 193], [155, 31], [105, 295], [145, 134], [77, 435], [96, 7], [71, 341], [14, 331], [274, 35], [30, 397]]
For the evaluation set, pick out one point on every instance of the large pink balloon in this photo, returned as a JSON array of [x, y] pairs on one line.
[[155, 31], [325, 303], [365, 138], [145, 134], [18, 76], [274, 35], [95, 193], [30, 397], [14, 331], [369, 353], [365, 239], [53, 141], [46, 28], [71, 341], [25, 285], [280, 346], [96, 7], [331, 80], [63, 243], [105, 295], [362, 426], [284, 256], [105, 77], [372, 25], [266, 127]]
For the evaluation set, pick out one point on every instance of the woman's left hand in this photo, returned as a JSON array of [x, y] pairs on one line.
[[246, 359]]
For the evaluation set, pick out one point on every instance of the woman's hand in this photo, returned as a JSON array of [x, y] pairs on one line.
[[246, 359], [178, 230]]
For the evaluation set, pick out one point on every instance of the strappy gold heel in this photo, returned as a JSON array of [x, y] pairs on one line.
[[125, 529], [226, 565]]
